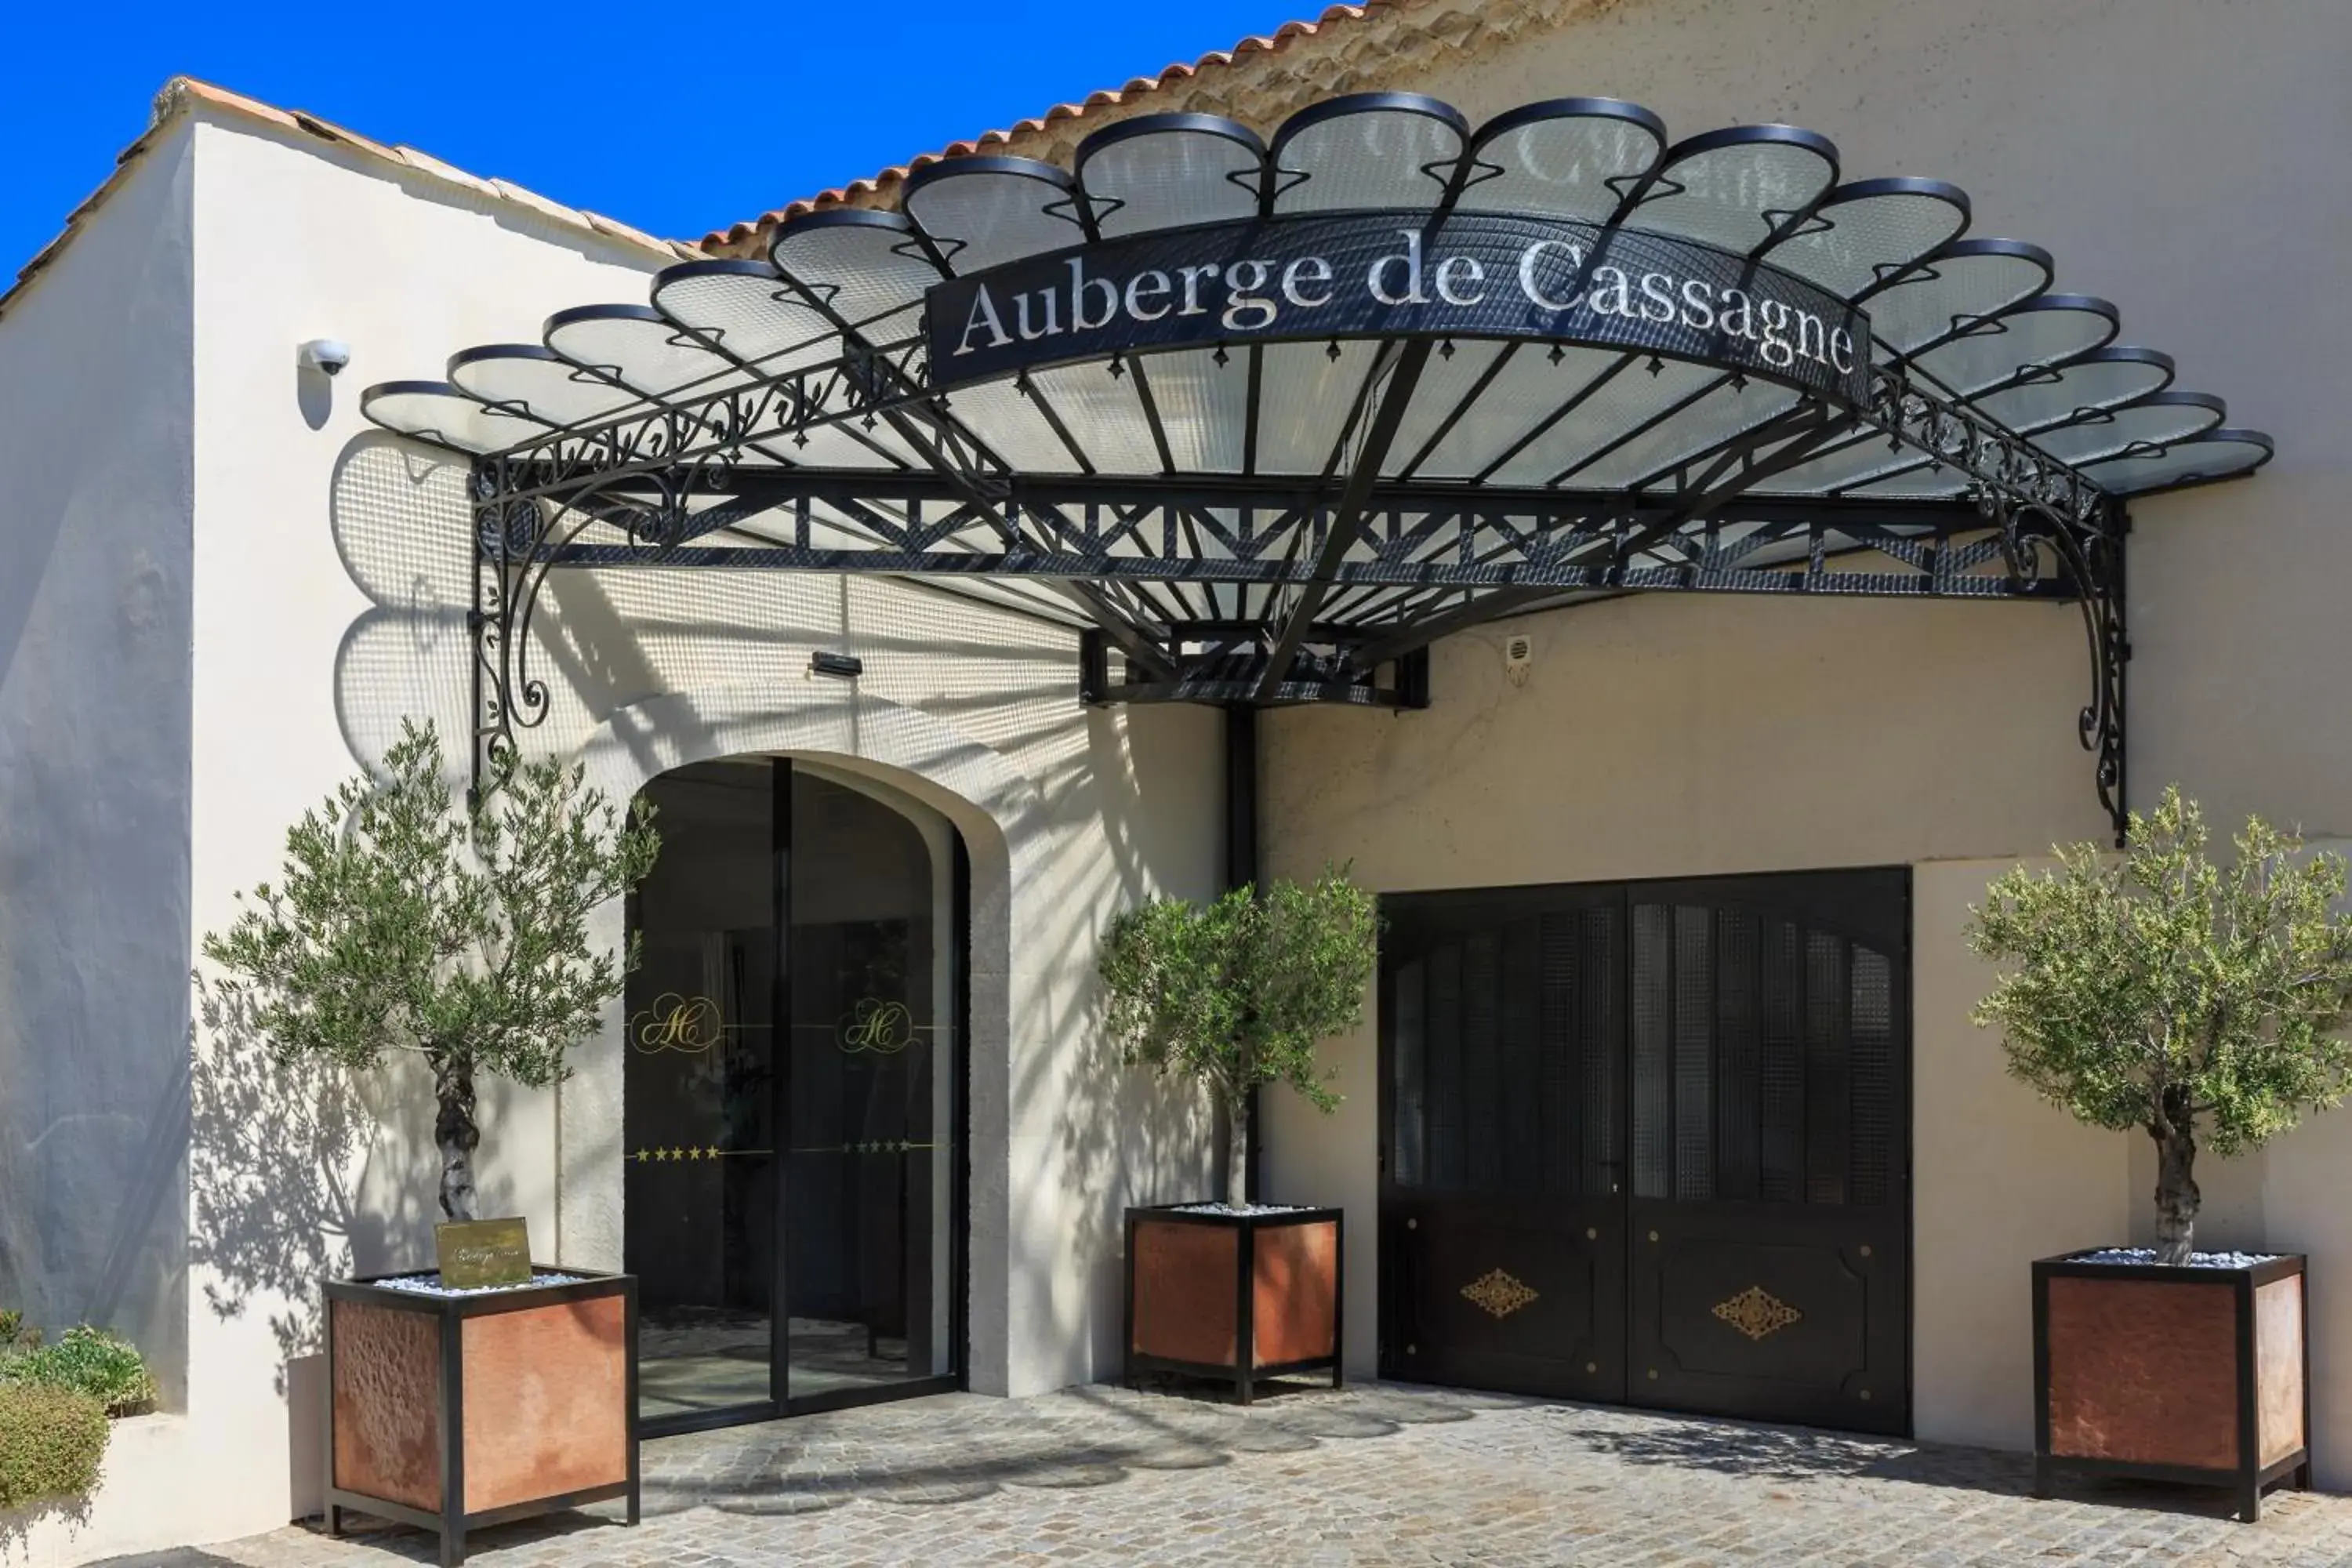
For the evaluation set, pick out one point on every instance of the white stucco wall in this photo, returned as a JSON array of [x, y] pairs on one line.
[[2180, 158], [94, 429], [292, 246], [328, 579], [1998, 1179], [1693, 736]]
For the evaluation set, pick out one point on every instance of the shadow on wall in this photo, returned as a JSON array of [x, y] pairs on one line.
[[1127, 1137], [299, 1172], [392, 511], [105, 1247], [270, 1163], [270, 1177], [1121, 819], [94, 721], [604, 640], [17, 1524]]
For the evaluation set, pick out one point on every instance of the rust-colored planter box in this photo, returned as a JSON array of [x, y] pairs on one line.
[[453, 1413], [2197, 1375], [1239, 1296]]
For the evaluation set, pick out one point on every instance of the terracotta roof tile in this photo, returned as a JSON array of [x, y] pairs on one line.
[[746, 235], [1379, 43]]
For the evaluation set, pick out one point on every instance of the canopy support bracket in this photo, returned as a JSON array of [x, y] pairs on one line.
[[2106, 628]]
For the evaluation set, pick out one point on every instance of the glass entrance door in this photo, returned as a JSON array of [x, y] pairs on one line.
[[793, 1195], [872, 1118], [699, 1085]]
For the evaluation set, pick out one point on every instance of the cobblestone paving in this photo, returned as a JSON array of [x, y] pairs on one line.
[[1377, 1474]]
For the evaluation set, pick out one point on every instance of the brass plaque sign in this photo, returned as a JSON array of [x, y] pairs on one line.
[[484, 1252]]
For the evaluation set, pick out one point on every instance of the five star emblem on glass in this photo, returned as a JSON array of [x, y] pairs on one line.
[[666, 1155]]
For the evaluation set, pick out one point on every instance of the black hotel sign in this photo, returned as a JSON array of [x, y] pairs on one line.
[[1378, 274]]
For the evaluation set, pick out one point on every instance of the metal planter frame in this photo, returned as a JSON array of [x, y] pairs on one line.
[[1244, 1371], [2248, 1475], [453, 1521]]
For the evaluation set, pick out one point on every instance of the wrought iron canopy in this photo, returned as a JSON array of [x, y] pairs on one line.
[[1270, 416]]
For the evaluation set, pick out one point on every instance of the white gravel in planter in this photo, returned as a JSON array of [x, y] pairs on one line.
[[1242, 1210], [430, 1285], [2196, 1260]]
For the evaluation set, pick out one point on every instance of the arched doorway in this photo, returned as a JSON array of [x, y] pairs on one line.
[[794, 1207]]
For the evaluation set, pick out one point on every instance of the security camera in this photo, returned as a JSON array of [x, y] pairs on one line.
[[326, 354]]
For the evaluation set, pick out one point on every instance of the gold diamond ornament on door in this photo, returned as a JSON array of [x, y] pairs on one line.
[[1498, 1293], [1757, 1312]]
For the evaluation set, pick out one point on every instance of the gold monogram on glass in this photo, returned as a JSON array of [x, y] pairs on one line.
[[878, 1028], [688, 1025]]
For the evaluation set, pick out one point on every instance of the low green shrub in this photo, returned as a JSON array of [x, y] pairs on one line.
[[88, 1361], [51, 1442]]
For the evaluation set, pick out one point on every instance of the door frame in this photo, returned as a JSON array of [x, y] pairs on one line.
[[959, 1218], [1530, 897]]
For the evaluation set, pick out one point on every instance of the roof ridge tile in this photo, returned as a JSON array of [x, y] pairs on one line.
[[182, 94], [1275, 42]]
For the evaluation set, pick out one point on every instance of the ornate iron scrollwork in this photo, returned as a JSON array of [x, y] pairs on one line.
[[1757, 1312], [2090, 557], [2100, 560], [511, 546], [1499, 1293], [2038, 504], [521, 535], [678, 483], [2007, 470]]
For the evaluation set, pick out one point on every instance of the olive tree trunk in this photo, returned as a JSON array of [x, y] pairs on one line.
[[2176, 1197], [1236, 1118], [456, 1134], [1234, 1102]]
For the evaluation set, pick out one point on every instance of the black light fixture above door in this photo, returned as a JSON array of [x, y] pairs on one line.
[[847, 665]]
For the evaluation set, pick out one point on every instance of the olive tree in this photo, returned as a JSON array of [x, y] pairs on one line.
[[2160, 990], [405, 923], [1237, 992]]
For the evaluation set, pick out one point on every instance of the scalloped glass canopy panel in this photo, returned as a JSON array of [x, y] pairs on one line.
[[1974, 319]]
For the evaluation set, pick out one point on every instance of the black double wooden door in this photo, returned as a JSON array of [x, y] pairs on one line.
[[1649, 1144]]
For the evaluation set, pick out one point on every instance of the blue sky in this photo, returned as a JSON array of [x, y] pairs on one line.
[[678, 117]]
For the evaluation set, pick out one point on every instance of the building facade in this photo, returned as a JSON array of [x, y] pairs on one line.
[[227, 589]]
